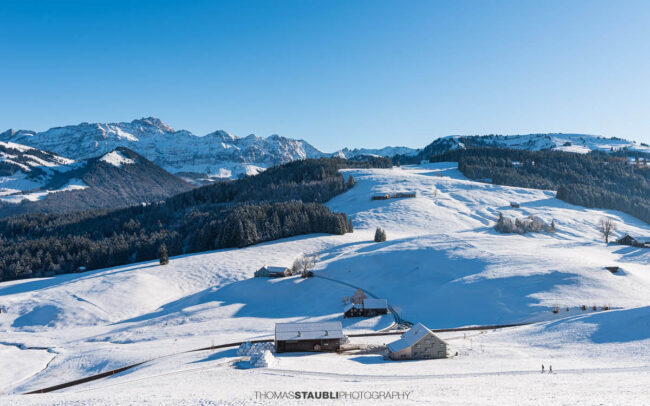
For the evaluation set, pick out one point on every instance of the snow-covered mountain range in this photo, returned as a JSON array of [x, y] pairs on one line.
[[215, 155], [578, 143]]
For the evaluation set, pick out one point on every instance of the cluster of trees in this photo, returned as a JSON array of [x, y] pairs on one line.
[[595, 179], [530, 224], [281, 202], [358, 298], [304, 265]]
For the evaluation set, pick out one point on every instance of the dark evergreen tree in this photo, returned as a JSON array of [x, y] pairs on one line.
[[163, 255]]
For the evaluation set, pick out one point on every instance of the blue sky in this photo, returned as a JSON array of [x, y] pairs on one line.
[[336, 73]]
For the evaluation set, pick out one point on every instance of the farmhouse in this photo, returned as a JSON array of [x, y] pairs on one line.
[[634, 241], [417, 343], [272, 272], [397, 195], [368, 308], [308, 337]]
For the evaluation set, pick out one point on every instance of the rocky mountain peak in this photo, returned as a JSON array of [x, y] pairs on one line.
[[153, 122]]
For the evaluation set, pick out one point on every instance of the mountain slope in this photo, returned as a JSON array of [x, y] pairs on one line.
[[117, 179], [24, 169]]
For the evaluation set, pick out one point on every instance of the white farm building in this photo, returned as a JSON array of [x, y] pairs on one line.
[[417, 343]]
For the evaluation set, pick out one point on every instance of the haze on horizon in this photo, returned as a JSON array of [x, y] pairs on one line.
[[336, 73]]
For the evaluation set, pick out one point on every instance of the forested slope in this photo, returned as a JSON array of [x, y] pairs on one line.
[[595, 179], [281, 202]]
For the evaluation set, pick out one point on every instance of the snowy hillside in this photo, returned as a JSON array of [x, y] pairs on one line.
[[578, 143], [443, 265], [24, 169], [31, 181]]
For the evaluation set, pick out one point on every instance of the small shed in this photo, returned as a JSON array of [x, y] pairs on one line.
[[384, 196], [272, 272], [417, 343], [369, 308], [634, 241], [308, 337], [514, 204]]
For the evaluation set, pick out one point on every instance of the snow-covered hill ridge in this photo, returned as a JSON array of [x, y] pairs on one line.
[[578, 143], [24, 168], [217, 155], [443, 265], [31, 179]]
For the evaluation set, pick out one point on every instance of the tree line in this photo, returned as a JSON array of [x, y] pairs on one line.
[[595, 179], [280, 202]]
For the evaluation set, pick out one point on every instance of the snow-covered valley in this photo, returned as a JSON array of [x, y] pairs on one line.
[[443, 265]]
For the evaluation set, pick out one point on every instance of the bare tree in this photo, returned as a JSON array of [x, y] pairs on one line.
[[607, 227], [358, 297], [304, 263]]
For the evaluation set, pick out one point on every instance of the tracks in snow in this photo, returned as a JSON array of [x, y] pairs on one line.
[[338, 376]]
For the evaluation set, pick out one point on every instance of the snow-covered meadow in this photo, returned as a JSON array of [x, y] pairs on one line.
[[443, 265]]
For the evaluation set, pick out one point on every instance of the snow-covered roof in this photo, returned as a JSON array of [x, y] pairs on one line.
[[639, 239], [415, 334], [350, 306], [642, 239], [279, 269], [375, 303], [308, 331]]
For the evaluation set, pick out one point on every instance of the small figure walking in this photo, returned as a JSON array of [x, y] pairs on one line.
[[550, 369], [542, 368]]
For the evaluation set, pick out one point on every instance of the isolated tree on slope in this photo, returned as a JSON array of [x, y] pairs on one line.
[[163, 255], [350, 183], [380, 235], [607, 227]]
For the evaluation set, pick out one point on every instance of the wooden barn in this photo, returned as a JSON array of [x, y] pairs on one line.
[[369, 308], [272, 272], [400, 195], [634, 241], [308, 337], [417, 343], [397, 195]]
